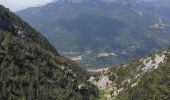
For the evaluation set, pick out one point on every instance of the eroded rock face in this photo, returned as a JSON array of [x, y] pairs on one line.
[[102, 83], [149, 63]]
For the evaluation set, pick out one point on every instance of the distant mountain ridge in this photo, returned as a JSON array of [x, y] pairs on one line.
[[161, 6], [86, 29]]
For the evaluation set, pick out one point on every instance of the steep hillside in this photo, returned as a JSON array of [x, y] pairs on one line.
[[145, 78], [100, 33], [31, 68]]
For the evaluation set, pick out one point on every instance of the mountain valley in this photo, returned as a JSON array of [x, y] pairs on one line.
[[86, 50], [128, 29]]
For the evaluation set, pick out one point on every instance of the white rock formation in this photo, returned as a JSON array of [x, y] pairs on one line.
[[106, 54], [152, 63], [76, 58], [102, 83]]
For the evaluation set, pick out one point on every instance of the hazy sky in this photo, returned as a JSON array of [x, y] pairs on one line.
[[16, 5]]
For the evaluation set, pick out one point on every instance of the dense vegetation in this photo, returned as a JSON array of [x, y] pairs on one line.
[[139, 79], [90, 27], [31, 69], [154, 85]]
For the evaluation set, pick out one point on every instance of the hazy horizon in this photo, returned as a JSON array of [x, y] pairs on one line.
[[16, 5]]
